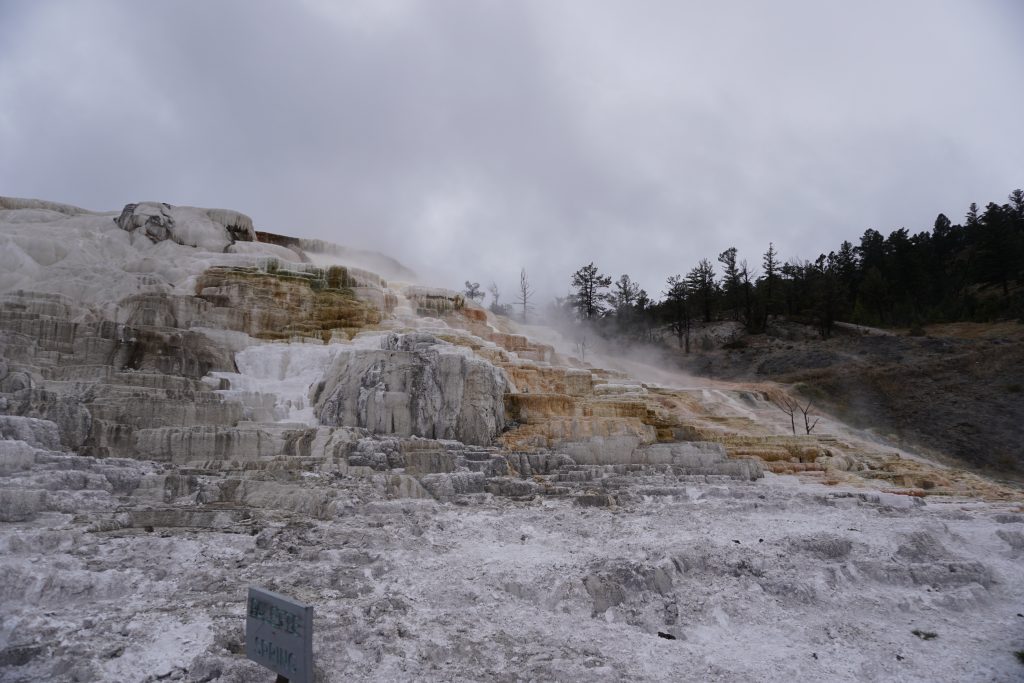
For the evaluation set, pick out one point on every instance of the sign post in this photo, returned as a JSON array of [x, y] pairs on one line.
[[279, 635]]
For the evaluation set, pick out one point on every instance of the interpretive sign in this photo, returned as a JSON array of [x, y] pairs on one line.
[[279, 634]]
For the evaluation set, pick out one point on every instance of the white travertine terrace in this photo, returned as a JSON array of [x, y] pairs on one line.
[[185, 411]]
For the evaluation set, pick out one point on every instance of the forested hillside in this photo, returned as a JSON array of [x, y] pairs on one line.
[[968, 271]]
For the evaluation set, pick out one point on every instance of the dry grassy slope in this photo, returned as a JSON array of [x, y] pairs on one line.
[[957, 392]]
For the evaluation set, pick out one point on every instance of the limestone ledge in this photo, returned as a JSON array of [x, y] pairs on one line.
[[130, 385], [279, 304], [207, 481]]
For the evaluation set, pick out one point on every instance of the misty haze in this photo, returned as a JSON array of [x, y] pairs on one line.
[[522, 341]]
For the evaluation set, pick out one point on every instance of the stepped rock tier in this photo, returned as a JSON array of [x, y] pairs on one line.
[[189, 405], [415, 385]]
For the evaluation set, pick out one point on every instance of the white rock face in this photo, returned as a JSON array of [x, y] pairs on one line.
[[415, 384], [36, 433], [282, 375], [94, 262], [88, 259], [363, 476], [209, 229]]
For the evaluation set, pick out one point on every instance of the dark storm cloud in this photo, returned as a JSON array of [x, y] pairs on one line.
[[471, 138]]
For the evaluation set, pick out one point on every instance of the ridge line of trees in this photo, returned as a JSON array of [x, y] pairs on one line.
[[973, 270], [969, 271]]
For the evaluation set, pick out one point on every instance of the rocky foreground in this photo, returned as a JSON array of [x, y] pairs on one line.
[[189, 407]]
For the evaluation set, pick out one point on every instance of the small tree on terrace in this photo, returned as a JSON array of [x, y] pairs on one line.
[[791, 407], [473, 291], [588, 298], [525, 295], [497, 308]]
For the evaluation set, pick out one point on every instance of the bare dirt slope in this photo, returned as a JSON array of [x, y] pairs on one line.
[[956, 391]]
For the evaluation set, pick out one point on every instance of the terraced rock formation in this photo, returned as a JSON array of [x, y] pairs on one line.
[[189, 406]]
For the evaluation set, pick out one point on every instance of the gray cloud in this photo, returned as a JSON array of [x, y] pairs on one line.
[[469, 139]]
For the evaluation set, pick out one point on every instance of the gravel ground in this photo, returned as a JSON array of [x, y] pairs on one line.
[[777, 580]]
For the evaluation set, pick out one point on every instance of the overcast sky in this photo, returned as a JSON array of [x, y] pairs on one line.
[[469, 138]]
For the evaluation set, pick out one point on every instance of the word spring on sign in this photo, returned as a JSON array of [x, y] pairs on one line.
[[279, 634]]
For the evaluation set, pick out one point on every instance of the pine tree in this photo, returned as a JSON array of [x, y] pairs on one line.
[[999, 247], [731, 279], [746, 278], [701, 281], [770, 263], [677, 304], [972, 215], [624, 294], [588, 298], [1017, 203]]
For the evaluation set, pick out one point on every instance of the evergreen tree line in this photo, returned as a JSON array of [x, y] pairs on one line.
[[973, 271]]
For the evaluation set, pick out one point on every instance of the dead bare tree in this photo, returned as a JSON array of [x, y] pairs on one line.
[[808, 425], [790, 407], [525, 293], [581, 347], [495, 295]]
